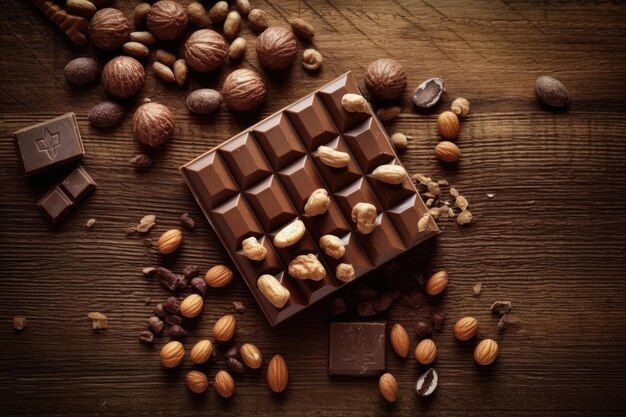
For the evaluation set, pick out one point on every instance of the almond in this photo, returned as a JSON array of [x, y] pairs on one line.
[[486, 352], [466, 328], [224, 384], [399, 340], [447, 151], [218, 276], [277, 374], [197, 382], [201, 352], [191, 306], [170, 241], [172, 354], [388, 387], [251, 355], [225, 328], [425, 352], [437, 283]]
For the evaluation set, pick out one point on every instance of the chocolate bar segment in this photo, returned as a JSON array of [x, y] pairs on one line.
[[49, 144], [64, 196], [357, 349], [260, 180]]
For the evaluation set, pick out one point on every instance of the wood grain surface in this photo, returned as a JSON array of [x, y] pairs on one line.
[[551, 240]]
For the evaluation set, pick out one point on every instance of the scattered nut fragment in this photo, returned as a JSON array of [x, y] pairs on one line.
[[290, 234], [232, 25], [464, 217], [19, 323], [225, 328], [437, 283], [448, 125], [399, 141], [191, 306], [172, 354], [461, 202], [201, 352], [390, 174], [318, 203], [311, 59], [163, 72], [141, 161], [277, 374], [170, 241], [187, 221], [354, 103], [243, 7], [427, 383], [332, 157], [224, 384], [197, 14], [90, 223], [219, 276], [253, 250], [237, 49], [447, 151], [218, 12], [386, 79], [332, 246], [98, 320], [501, 307], [273, 290], [460, 107], [302, 28], [197, 381], [399, 339], [307, 267], [551, 91], [364, 215], [180, 71], [428, 93], [477, 288], [388, 113], [466, 328], [146, 337], [135, 49], [388, 387], [345, 272], [140, 12], [425, 352], [251, 356], [149, 271], [486, 352], [144, 37], [257, 20], [239, 307], [422, 224]]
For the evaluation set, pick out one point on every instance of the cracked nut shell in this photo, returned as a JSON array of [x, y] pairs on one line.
[[167, 19], [205, 50], [385, 79], [108, 29], [244, 90], [276, 48]]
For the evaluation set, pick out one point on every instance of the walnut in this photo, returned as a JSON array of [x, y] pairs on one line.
[[276, 48], [385, 79], [205, 50], [167, 19], [244, 90], [109, 29], [123, 76], [153, 124]]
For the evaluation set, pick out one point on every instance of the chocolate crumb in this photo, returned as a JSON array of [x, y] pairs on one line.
[[503, 322], [477, 288], [239, 307], [146, 337], [424, 329], [155, 324], [141, 161], [338, 306], [439, 319], [367, 294], [383, 302], [177, 332], [173, 320], [187, 221], [191, 271], [235, 365], [199, 285], [149, 271], [159, 311], [366, 309], [415, 299], [501, 307], [19, 323]]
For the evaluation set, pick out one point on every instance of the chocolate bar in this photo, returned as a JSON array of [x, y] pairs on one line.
[[257, 182], [357, 349], [64, 196], [49, 144]]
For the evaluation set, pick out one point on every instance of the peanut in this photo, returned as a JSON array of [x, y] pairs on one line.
[[317, 203], [273, 290], [390, 174], [257, 20], [237, 49], [345, 272], [332, 246], [218, 12], [163, 72], [232, 25], [289, 234], [253, 250], [307, 267], [333, 158], [180, 71], [146, 38], [197, 14], [364, 215], [354, 103], [136, 49]]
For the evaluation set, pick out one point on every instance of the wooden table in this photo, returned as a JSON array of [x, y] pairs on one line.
[[551, 239]]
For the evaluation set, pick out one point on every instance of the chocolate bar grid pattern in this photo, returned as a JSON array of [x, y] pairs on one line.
[[259, 181]]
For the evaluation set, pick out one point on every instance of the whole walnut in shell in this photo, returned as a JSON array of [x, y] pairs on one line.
[[153, 124], [123, 76], [109, 29], [167, 19], [385, 79], [244, 90], [205, 50], [276, 48]]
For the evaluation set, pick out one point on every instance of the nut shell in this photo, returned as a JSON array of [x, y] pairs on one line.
[[205, 50], [153, 125], [244, 90], [191, 306], [224, 384], [437, 283], [167, 19], [276, 48], [225, 328], [448, 125], [197, 381], [388, 387], [170, 241], [172, 354], [385, 79], [399, 339], [201, 352], [486, 352], [466, 328], [425, 352], [218, 276], [251, 355], [123, 77], [277, 374], [108, 29]]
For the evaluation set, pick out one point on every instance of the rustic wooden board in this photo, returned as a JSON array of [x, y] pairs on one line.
[[552, 239]]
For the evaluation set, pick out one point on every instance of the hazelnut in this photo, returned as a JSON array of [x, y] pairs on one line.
[[437, 283], [244, 90], [172, 354], [205, 50], [486, 352], [466, 328], [385, 79], [153, 124], [201, 352], [197, 382], [123, 76], [167, 20], [109, 29], [191, 306], [460, 107], [276, 48], [448, 125], [425, 352]]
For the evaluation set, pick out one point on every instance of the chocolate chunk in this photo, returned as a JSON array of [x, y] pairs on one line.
[[357, 349], [338, 306], [146, 337], [366, 309], [191, 271], [159, 311], [415, 299], [199, 285], [501, 307], [187, 221], [64, 196], [424, 329], [439, 319], [239, 307], [172, 305], [173, 320], [235, 365], [384, 302], [170, 280], [155, 324], [177, 332]]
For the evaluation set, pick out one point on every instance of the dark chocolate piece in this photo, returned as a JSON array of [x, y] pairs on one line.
[[260, 180], [64, 196], [49, 144], [357, 349]]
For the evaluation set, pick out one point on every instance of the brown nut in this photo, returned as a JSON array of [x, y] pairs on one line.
[[172, 354], [253, 250], [204, 101], [218, 12], [237, 49], [466, 328], [109, 29], [244, 90], [167, 19], [345, 272], [276, 48], [205, 50], [201, 352], [106, 114], [81, 71], [170, 241], [197, 14], [425, 352], [225, 328], [307, 267], [164, 57], [428, 93], [388, 387], [385, 79], [224, 384], [257, 20], [135, 49], [318, 203], [399, 339], [460, 107], [140, 12], [197, 382], [388, 113], [311, 59], [447, 151], [399, 141], [364, 215], [123, 77], [191, 306], [448, 125], [277, 374], [486, 352], [153, 124], [273, 290], [180, 71], [302, 28], [551, 92], [437, 283], [83, 8], [243, 7], [354, 103], [232, 25], [251, 355], [143, 37], [163, 72], [219, 276], [332, 246]]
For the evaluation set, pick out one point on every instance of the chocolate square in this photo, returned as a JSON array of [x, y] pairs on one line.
[[63, 197], [357, 349]]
